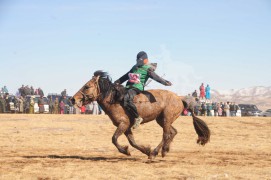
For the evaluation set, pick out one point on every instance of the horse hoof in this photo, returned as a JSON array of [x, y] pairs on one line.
[[127, 152], [148, 151], [152, 157], [164, 153]]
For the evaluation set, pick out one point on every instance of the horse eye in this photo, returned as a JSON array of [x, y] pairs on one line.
[[86, 87]]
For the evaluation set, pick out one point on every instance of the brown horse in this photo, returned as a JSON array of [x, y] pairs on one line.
[[160, 105]]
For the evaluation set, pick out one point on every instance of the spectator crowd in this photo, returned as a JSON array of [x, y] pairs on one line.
[[29, 100], [205, 107]]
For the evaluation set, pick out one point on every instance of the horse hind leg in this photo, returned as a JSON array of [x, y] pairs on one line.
[[173, 132], [143, 149], [155, 152], [119, 131], [166, 145]]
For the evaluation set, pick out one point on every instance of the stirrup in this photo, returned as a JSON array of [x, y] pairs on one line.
[[137, 122]]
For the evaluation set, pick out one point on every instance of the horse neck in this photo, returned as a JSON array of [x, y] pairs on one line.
[[104, 104], [105, 100]]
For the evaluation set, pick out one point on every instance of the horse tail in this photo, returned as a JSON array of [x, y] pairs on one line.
[[201, 129]]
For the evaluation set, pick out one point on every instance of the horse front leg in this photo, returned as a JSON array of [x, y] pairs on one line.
[[119, 131], [130, 137]]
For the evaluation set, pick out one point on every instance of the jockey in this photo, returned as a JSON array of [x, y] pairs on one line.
[[137, 78]]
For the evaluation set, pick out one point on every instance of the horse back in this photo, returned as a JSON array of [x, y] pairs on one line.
[[152, 103]]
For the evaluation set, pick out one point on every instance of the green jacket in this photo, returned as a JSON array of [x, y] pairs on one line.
[[139, 75]]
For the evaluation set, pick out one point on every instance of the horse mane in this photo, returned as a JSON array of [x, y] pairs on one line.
[[107, 88]]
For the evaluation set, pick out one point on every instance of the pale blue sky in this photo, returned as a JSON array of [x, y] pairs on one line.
[[59, 44]]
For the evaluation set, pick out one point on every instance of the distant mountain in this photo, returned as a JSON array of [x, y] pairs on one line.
[[259, 95]]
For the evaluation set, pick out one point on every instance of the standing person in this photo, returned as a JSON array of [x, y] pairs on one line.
[[215, 109], [5, 89], [196, 110], [202, 91], [64, 93], [222, 107], [207, 90], [88, 110], [41, 105], [22, 91], [31, 105], [219, 109], [227, 109], [83, 109], [56, 106], [2, 105], [32, 91], [231, 109], [195, 94], [203, 109], [41, 92], [6, 102], [137, 78], [21, 104], [62, 107], [234, 109], [51, 105], [209, 109], [95, 110], [27, 90], [198, 107], [76, 110], [66, 103]]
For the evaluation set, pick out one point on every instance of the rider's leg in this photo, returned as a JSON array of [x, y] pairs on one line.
[[130, 106]]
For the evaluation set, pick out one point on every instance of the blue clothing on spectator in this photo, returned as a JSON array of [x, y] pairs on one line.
[[208, 94]]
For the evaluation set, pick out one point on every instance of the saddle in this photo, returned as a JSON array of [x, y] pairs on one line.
[[120, 91]]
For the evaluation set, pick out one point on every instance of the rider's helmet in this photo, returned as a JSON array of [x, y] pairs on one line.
[[142, 58]]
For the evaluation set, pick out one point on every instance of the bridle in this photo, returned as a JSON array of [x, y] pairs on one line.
[[91, 97]]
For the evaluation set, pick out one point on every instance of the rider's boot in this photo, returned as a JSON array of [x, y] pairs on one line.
[[137, 122]]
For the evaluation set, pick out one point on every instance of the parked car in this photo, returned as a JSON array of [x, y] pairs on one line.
[[266, 113], [249, 110], [36, 106]]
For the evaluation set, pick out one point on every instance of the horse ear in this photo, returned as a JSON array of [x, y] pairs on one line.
[[98, 73]]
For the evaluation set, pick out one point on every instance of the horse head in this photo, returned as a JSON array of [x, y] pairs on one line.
[[91, 91]]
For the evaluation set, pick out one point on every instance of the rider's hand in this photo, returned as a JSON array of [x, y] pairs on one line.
[[168, 83]]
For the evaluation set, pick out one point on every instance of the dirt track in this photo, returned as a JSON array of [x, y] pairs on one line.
[[79, 147]]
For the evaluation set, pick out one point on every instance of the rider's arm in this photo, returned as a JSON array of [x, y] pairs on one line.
[[157, 78], [123, 78]]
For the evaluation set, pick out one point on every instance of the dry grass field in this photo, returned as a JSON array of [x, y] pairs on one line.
[[79, 147]]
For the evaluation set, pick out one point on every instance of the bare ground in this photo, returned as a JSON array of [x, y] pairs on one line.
[[79, 147]]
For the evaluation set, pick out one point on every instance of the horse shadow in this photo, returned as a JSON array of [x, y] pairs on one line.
[[95, 158]]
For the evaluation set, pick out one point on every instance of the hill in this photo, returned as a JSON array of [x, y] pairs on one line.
[[259, 95]]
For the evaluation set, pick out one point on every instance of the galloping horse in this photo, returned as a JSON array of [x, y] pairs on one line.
[[160, 105]]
